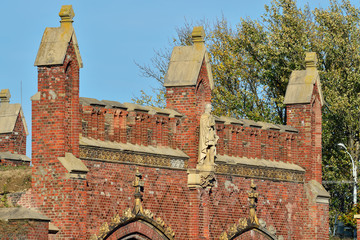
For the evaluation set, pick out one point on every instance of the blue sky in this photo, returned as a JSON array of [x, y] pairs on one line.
[[112, 35]]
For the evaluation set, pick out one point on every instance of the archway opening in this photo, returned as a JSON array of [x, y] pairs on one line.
[[136, 230], [253, 234], [135, 236]]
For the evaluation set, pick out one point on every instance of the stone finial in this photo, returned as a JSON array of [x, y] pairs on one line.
[[5, 96], [67, 13], [198, 35], [311, 60]]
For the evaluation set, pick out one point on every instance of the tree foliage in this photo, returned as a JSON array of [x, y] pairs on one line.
[[339, 46], [251, 65]]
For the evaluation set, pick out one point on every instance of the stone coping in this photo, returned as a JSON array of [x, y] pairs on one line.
[[128, 107], [128, 147], [172, 113], [319, 193], [14, 156], [255, 162], [21, 214], [250, 123]]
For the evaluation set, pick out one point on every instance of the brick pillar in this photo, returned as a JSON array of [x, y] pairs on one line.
[[56, 128], [303, 101]]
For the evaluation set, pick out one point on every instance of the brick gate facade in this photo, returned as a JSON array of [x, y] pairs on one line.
[[109, 170]]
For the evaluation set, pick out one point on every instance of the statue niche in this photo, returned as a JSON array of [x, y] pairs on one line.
[[207, 139]]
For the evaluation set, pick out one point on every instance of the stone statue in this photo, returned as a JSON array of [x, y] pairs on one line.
[[253, 197], [208, 138]]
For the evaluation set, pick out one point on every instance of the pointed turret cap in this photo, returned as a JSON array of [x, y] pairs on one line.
[[185, 62], [301, 83], [55, 41]]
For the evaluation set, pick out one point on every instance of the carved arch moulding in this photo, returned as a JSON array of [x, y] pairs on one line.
[[246, 224], [141, 224]]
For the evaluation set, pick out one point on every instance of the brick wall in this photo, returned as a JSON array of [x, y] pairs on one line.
[[307, 119], [200, 213]]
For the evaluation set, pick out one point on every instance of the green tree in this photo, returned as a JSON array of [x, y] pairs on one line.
[[338, 29]]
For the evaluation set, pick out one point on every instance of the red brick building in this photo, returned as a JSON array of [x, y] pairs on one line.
[[110, 170], [13, 132]]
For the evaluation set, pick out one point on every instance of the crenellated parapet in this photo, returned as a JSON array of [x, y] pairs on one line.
[[129, 123], [246, 138], [150, 126]]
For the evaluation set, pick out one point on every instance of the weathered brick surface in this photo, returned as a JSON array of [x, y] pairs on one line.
[[110, 192], [307, 119], [196, 213]]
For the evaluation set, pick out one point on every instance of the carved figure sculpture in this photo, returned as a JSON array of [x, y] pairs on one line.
[[253, 196], [208, 138]]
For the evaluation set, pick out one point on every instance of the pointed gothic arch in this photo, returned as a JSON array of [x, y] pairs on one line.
[[140, 226], [245, 225]]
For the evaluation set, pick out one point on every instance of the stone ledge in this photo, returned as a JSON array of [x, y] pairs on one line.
[[128, 157], [21, 214], [258, 162], [128, 147], [14, 156], [317, 192], [75, 167]]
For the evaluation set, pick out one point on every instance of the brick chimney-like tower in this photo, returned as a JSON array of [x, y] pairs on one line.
[[303, 101], [188, 85], [58, 175]]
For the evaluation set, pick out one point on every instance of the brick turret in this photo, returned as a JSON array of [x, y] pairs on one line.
[[188, 85], [303, 101], [57, 180]]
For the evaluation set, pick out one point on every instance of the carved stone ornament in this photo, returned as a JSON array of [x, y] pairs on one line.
[[248, 223], [113, 155], [207, 180], [137, 213], [261, 172], [243, 225], [253, 196]]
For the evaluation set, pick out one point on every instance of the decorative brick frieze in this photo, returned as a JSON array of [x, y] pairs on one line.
[[275, 174], [111, 155]]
